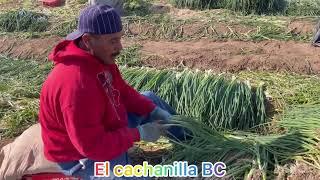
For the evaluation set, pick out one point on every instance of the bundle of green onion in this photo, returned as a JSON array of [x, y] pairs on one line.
[[245, 154], [306, 119], [217, 101]]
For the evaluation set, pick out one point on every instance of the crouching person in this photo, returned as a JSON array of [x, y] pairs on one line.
[[88, 113]]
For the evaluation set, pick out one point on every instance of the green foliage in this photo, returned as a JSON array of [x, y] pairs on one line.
[[136, 7], [287, 7], [82, 1], [256, 6], [303, 8], [23, 20], [301, 117], [20, 83], [287, 88], [18, 120], [198, 4], [65, 27], [130, 56], [244, 6]]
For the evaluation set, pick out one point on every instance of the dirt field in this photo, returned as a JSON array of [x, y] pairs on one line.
[[229, 56], [235, 56]]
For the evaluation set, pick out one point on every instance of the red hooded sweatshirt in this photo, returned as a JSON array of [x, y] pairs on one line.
[[84, 106]]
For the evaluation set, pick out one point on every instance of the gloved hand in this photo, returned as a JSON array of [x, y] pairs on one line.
[[160, 114], [151, 132]]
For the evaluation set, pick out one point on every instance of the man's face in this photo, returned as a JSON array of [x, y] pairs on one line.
[[105, 47]]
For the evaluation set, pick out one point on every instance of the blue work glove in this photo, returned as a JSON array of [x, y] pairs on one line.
[[160, 114], [151, 132]]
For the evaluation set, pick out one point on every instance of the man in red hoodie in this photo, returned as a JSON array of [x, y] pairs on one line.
[[88, 112]]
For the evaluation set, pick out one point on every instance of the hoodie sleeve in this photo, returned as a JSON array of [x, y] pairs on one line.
[[136, 102], [83, 121]]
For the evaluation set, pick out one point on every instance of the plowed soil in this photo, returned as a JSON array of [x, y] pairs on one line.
[[229, 56]]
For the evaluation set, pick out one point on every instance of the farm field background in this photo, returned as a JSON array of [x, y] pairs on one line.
[[245, 81]]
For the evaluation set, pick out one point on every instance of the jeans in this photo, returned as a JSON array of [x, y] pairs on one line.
[[68, 168]]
